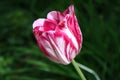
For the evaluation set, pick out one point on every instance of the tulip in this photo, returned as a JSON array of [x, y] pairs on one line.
[[59, 36]]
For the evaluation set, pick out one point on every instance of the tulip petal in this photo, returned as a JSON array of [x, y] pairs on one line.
[[72, 24], [69, 31], [65, 44], [56, 16], [38, 22], [46, 47], [58, 43]]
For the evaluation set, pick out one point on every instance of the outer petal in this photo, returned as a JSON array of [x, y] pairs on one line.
[[72, 24], [68, 29], [64, 46], [45, 45], [59, 48]]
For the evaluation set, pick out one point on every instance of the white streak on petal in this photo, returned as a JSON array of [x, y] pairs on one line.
[[72, 37], [48, 47], [68, 48], [59, 54], [61, 44]]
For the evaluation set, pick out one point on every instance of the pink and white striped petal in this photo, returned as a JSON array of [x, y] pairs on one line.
[[59, 36]]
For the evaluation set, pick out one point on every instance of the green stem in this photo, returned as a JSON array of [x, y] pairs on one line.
[[78, 70]]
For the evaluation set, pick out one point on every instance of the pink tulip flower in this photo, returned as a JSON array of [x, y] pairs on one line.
[[59, 36]]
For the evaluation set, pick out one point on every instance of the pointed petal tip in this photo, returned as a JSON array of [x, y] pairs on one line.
[[71, 5], [71, 8]]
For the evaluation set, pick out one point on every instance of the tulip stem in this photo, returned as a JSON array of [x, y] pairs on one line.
[[78, 70]]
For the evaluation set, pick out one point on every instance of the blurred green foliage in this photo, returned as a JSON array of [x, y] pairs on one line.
[[21, 59]]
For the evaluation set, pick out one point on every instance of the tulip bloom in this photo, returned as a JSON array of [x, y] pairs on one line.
[[59, 36]]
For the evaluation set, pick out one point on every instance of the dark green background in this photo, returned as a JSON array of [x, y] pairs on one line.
[[21, 59]]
